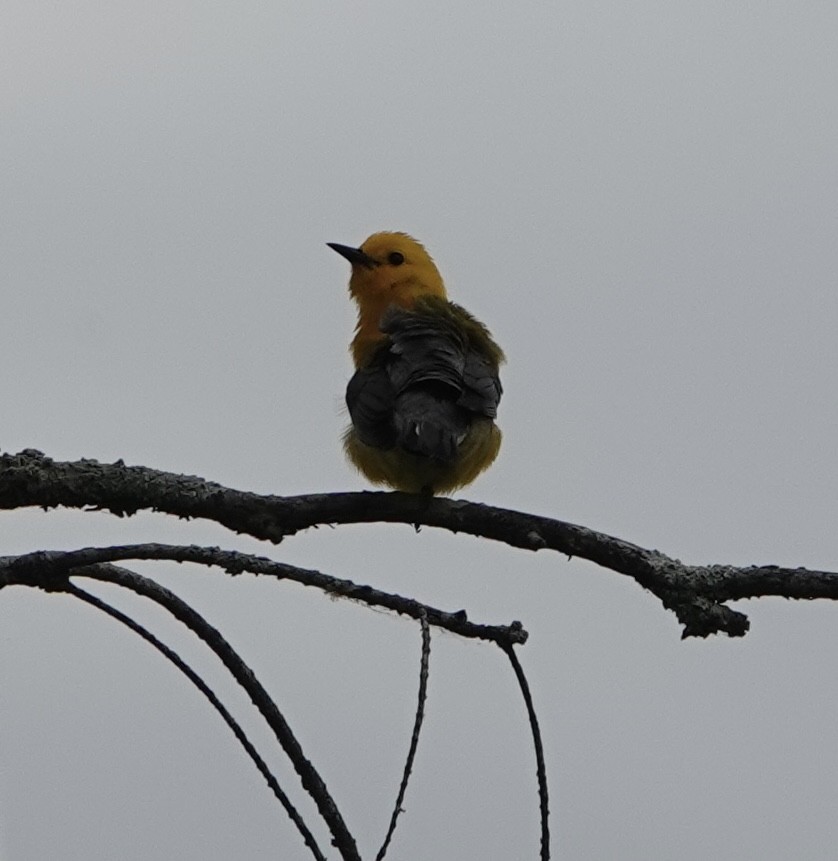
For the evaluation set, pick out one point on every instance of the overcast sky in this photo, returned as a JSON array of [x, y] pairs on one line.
[[639, 199]]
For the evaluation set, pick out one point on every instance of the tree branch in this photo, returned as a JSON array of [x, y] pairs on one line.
[[47, 569], [538, 746], [414, 738], [215, 702], [696, 594], [51, 571]]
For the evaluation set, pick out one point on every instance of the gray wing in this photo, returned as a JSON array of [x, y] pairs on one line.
[[423, 387]]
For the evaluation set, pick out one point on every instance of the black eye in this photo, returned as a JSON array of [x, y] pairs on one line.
[[395, 258]]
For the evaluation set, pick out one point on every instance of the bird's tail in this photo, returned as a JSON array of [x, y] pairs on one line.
[[429, 425]]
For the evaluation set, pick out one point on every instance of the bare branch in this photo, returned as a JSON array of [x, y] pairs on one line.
[[540, 767], [47, 569], [203, 687], [51, 572], [414, 738], [696, 594]]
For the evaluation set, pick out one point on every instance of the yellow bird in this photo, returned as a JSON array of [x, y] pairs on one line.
[[425, 391]]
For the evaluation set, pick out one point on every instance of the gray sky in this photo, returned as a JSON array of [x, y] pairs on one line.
[[639, 200]]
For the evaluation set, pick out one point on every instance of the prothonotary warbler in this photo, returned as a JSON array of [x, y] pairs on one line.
[[425, 392]]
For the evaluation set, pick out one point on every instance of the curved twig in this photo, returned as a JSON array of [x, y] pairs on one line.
[[202, 686], [540, 767], [34, 568], [414, 739], [311, 780]]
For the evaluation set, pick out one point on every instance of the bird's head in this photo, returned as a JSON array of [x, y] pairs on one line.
[[390, 268]]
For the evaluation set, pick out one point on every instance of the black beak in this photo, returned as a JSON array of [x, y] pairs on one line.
[[354, 255]]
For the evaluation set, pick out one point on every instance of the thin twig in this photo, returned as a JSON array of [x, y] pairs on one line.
[[228, 718], [541, 770], [311, 780], [37, 565], [414, 739]]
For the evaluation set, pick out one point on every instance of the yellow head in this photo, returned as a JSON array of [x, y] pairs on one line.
[[389, 268]]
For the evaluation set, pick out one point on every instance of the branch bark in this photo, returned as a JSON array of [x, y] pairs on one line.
[[49, 570], [697, 594]]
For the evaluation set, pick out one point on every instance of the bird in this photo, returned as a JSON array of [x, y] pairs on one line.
[[425, 392]]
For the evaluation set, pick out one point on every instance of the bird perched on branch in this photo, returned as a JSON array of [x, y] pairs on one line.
[[425, 392]]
